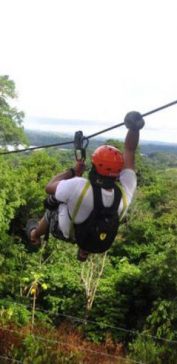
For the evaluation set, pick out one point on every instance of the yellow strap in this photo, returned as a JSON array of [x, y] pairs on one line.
[[124, 198], [77, 206], [79, 201]]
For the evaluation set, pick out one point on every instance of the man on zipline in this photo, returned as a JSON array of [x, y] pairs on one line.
[[88, 211]]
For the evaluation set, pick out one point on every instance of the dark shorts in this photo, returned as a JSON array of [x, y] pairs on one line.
[[51, 216]]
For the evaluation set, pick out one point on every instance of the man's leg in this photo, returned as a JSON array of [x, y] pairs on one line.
[[40, 230], [82, 255]]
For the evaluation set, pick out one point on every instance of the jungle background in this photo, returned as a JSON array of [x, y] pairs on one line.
[[43, 301]]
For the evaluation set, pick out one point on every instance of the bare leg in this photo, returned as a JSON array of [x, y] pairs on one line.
[[39, 231], [82, 255]]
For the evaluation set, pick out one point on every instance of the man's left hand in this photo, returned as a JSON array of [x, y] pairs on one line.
[[134, 121]]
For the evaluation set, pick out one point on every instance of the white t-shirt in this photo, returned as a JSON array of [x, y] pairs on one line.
[[68, 192]]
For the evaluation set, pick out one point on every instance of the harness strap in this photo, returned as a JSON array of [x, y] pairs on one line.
[[125, 202], [77, 206], [79, 201], [98, 202]]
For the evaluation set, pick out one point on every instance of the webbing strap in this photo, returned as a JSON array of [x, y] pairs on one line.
[[125, 202], [98, 202], [77, 206], [79, 201]]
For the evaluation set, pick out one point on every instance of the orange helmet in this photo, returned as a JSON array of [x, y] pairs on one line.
[[108, 160]]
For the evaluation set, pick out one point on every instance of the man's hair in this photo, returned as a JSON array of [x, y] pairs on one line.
[[97, 179]]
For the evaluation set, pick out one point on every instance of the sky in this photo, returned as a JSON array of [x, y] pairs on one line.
[[92, 61]]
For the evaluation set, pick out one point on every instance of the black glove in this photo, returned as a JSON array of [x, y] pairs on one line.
[[134, 121], [51, 203]]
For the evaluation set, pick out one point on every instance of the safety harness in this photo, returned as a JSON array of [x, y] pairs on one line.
[[97, 233]]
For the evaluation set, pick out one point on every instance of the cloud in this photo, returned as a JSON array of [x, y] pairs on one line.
[[92, 60]]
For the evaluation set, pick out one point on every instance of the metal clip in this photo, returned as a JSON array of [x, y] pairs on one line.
[[80, 152]]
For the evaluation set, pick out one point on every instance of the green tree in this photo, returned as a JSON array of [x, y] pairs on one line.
[[11, 130]]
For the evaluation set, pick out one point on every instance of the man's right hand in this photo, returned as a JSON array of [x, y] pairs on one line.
[[134, 121], [79, 168]]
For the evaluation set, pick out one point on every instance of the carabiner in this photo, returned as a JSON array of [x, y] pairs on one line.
[[80, 149]]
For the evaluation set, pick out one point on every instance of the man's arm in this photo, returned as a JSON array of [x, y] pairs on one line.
[[134, 122], [53, 183], [78, 170], [130, 145]]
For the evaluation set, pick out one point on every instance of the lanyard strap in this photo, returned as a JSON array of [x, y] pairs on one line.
[[125, 202], [79, 201], [77, 206]]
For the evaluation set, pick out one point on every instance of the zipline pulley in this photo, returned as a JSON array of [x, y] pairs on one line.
[[79, 147]]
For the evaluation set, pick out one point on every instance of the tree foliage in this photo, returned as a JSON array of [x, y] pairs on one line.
[[137, 292], [11, 130]]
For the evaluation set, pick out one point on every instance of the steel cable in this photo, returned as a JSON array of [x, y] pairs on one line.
[[89, 136]]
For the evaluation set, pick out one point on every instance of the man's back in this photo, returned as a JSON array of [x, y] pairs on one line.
[[70, 190]]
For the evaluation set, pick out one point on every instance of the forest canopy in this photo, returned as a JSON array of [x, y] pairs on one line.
[[11, 129], [42, 295]]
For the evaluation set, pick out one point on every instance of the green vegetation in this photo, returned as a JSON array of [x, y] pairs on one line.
[[163, 160], [11, 130], [42, 299], [137, 292]]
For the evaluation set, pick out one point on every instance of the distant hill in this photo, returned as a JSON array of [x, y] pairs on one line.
[[156, 147], [38, 138]]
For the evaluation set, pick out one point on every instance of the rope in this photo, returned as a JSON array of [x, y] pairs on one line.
[[78, 319], [40, 147], [143, 115], [51, 341], [159, 108], [91, 135]]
